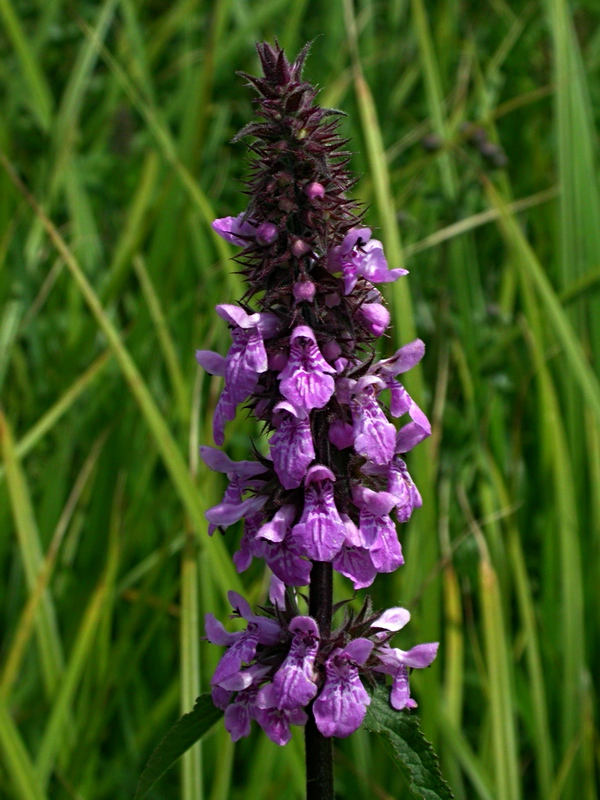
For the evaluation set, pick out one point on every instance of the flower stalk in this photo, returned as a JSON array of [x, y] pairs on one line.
[[335, 482]]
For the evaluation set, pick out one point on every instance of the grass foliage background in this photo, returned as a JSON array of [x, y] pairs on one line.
[[117, 117]]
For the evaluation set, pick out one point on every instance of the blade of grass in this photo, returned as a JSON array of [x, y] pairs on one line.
[[39, 96], [23, 631], [58, 721], [165, 341], [575, 359], [45, 424], [16, 759], [50, 647], [189, 495], [536, 683]]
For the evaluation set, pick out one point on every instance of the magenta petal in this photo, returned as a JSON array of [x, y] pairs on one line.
[[292, 448], [216, 633], [320, 532], [285, 561], [356, 564], [306, 381], [375, 437], [386, 552], [374, 317], [294, 682], [224, 412], [403, 359], [276, 723], [219, 461], [342, 703], [394, 619], [226, 514], [213, 363], [232, 229], [277, 529], [420, 656], [401, 485], [400, 695], [237, 721], [341, 434]]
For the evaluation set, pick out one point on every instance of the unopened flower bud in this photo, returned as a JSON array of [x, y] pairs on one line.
[[315, 191], [300, 248], [375, 317], [285, 204], [278, 360], [304, 291], [331, 350], [266, 233], [332, 300]]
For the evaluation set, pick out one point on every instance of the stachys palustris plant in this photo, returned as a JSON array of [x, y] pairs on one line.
[[303, 360]]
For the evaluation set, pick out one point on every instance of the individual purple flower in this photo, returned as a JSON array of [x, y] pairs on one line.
[[320, 533], [239, 473], [241, 645], [239, 714], [294, 684], [359, 256], [388, 370], [396, 662], [247, 357], [342, 703], [276, 722], [306, 380], [281, 552], [374, 435], [377, 531], [292, 448], [244, 362]]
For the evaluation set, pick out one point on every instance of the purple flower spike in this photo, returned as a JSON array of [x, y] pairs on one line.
[[292, 448], [294, 682], [374, 436], [320, 532], [302, 361], [305, 381], [233, 229], [342, 704], [377, 531]]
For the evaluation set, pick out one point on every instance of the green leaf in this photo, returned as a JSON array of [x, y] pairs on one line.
[[410, 749], [185, 733]]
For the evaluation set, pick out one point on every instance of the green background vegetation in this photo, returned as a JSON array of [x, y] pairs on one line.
[[117, 116]]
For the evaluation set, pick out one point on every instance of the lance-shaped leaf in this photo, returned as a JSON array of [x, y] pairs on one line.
[[411, 751], [186, 732]]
